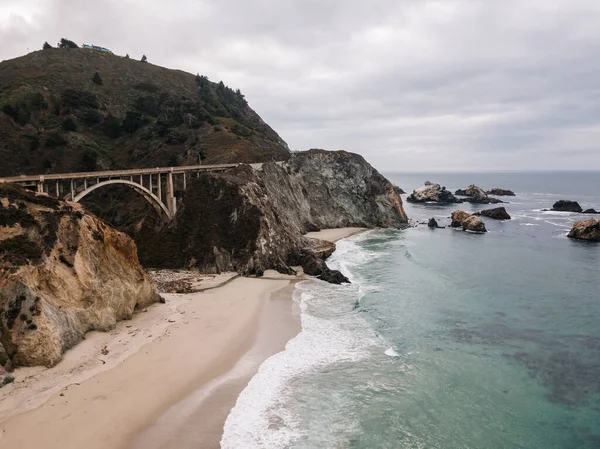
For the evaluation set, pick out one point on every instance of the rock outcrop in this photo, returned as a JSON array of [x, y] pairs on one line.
[[591, 211], [497, 213], [432, 193], [476, 195], [62, 273], [432, 223], [250, 220], [466, 221], [586, 230], [500, 192], [567, 206]]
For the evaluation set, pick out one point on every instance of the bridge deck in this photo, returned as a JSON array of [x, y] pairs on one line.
[[116, 173]]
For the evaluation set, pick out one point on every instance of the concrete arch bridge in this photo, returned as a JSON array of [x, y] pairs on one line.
[[156, 185]]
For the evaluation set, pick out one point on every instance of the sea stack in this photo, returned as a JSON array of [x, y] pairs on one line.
[[586, 230]]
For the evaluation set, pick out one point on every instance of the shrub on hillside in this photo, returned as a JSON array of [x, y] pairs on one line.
[[133, 121], [17, 112], [241, 130], [69, 124], [97, 80], [112, 126], [78, 99], [89, 160], [46, 46], [55, 139], [147, 105], [144, 59], [91, 117]]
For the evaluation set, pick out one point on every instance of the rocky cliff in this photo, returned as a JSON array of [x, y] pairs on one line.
[[62, 273], [249, 220]]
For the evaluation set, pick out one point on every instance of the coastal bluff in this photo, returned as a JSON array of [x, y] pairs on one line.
[[250, 220], [63, 272]]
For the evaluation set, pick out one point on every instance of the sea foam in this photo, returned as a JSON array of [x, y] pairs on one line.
[[332, 332]]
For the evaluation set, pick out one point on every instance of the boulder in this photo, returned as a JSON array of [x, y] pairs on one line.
[[500, 192], [567, 206], [591, 211], [498, 213], [398, 190], [432, 193], [586, 230], [458, 218], [433, 223], [474, 224]]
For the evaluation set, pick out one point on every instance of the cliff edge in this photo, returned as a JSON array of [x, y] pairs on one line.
[[253, 219]]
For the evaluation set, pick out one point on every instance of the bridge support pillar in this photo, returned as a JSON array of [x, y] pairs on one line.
[[171, 202]]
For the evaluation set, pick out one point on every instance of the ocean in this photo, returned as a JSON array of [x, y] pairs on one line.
[[444, 339]]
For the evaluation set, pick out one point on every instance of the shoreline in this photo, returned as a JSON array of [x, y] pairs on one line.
[[195, 353]]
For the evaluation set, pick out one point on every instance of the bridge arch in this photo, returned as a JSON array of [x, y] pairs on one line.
[[160, 207]]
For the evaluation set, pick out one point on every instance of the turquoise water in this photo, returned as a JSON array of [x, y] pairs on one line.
[[444, 339]]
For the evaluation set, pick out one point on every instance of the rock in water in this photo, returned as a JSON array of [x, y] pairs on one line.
[[567, 206], [498, 213], [591, 211], [432, 193], [477, 195], [586, 230], [399, 191], [468, 222], [250, 220], [474, 224], [500, 192], [433, 223], [458, 218], [62, 273]]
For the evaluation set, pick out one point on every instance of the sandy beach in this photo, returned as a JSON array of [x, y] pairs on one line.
[[165, 379]]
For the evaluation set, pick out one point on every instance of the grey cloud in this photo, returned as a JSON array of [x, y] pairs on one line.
[[428, 85]]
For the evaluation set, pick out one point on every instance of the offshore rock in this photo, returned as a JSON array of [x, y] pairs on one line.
[[458, 218], [432, 193], [477, 195], [250, 220], [498, 213], [468, 222], [474, 224], [586, 230], [433, 223], [567, 206], [500, 192], [62, 273], [591, 211]]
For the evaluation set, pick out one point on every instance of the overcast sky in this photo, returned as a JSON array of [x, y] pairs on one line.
[[411, 85]]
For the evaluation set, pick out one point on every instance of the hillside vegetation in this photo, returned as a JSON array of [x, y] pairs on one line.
[[71, 109]]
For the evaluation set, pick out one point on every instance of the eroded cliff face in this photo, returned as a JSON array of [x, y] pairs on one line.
[[249, 220], [62, 273]]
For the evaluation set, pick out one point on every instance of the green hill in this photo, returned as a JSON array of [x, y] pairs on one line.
[[57, 115]]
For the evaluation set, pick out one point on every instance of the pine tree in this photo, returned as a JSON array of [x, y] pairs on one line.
[[66, 43], [97, 80]]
